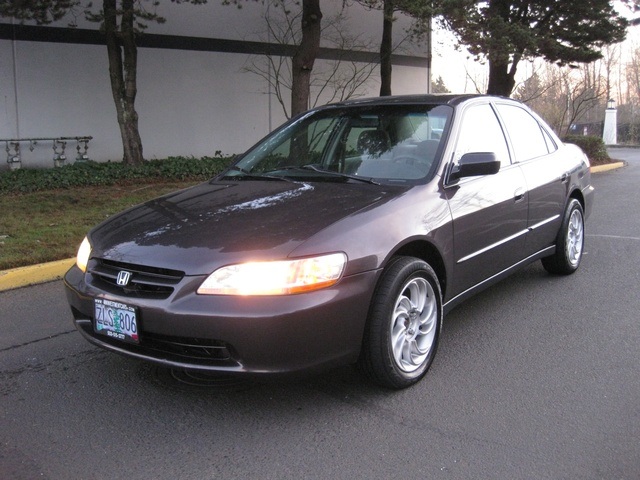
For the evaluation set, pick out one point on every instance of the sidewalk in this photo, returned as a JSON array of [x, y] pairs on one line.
[[47, 272]]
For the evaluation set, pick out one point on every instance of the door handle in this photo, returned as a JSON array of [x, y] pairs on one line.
[[518, 195], [564, 178]]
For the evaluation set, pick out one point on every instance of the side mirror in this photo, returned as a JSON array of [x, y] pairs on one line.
[[475, 164]]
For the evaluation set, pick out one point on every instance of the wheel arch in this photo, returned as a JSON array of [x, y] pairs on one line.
[[577, 194], [427, 252]]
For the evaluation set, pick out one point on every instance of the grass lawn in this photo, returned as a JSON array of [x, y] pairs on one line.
[[49, 225]]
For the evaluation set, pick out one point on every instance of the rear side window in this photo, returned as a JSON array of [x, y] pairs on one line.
[[526, 134]]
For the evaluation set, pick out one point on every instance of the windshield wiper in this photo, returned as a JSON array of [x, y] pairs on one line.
[[338, 174], [235, 168], [313, 168], [254, 176]]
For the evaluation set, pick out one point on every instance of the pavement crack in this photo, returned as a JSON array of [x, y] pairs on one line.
[[31, 342]]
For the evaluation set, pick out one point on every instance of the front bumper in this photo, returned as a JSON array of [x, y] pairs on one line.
[[232, 334]]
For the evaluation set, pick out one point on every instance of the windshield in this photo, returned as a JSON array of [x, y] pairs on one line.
[[378, 144]]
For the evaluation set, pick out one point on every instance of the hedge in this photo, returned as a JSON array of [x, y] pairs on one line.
[[90, 173], [593, 146]]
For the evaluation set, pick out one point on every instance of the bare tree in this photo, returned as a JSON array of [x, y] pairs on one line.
[[611, 54], [334, 79], [305, 56], [533, 88], [419, 10], [629, 112], [479, 84], [633, 75], [564, 95]]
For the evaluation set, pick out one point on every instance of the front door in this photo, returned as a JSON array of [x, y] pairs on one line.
[[489, 212]]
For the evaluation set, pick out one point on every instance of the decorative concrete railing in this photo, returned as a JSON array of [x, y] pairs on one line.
[[59, 144]]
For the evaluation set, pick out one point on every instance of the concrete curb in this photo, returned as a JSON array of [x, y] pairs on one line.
[[46, 272], [31, 275], [607, 167]]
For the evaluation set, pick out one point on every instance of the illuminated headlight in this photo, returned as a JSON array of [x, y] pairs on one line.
[[282, 277], [83, 254]]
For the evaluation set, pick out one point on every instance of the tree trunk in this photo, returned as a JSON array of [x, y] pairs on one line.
[[501, 79], [386, 48], [123, 64], [305, 56]]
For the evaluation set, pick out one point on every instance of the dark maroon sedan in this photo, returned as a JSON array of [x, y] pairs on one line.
[[343, 237]]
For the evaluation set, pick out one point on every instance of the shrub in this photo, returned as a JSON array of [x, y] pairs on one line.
[[594, 147], [84, 174]]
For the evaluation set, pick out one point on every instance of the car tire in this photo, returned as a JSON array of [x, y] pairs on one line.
[[569, 243], [404, 324]]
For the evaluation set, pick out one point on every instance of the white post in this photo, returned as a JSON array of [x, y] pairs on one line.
[[610, 131]]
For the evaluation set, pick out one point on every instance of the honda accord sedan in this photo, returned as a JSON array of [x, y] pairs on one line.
[[341, 238]]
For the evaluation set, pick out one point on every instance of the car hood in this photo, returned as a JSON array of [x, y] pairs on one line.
[[204, 227]]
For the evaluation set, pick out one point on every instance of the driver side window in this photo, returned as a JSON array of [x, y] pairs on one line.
[[481, 132]]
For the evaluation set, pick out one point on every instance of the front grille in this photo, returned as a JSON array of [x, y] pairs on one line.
[[145, 281]]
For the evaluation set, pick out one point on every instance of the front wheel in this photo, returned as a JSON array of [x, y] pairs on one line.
[[404, 324], [569, 243]]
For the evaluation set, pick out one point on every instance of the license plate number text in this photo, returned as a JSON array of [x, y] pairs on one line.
[[116, 320]]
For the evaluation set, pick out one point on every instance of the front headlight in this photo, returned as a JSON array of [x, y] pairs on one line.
[[282, 277], [83, 254]]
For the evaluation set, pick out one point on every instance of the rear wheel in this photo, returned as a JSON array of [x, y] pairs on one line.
[[404, 324], [569, 243]]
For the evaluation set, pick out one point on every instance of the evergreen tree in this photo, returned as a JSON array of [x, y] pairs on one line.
[[504, 32], [438, 86]]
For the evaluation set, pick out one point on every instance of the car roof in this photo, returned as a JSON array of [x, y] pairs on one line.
[[430, 99]]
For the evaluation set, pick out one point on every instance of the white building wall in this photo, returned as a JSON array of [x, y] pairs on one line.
[[190, 103], [202, 103], [63, 90]]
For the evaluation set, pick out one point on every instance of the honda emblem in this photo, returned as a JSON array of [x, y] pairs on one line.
[[123, 278]]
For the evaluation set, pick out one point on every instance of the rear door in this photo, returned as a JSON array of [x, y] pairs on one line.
[[545, 170], [489, 212]]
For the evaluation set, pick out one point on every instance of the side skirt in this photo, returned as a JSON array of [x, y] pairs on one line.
[[449, 305]]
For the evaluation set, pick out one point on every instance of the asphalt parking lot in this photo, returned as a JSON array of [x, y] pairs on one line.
[[535, 378]]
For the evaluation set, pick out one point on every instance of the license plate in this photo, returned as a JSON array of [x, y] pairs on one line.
[[116, 320]]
